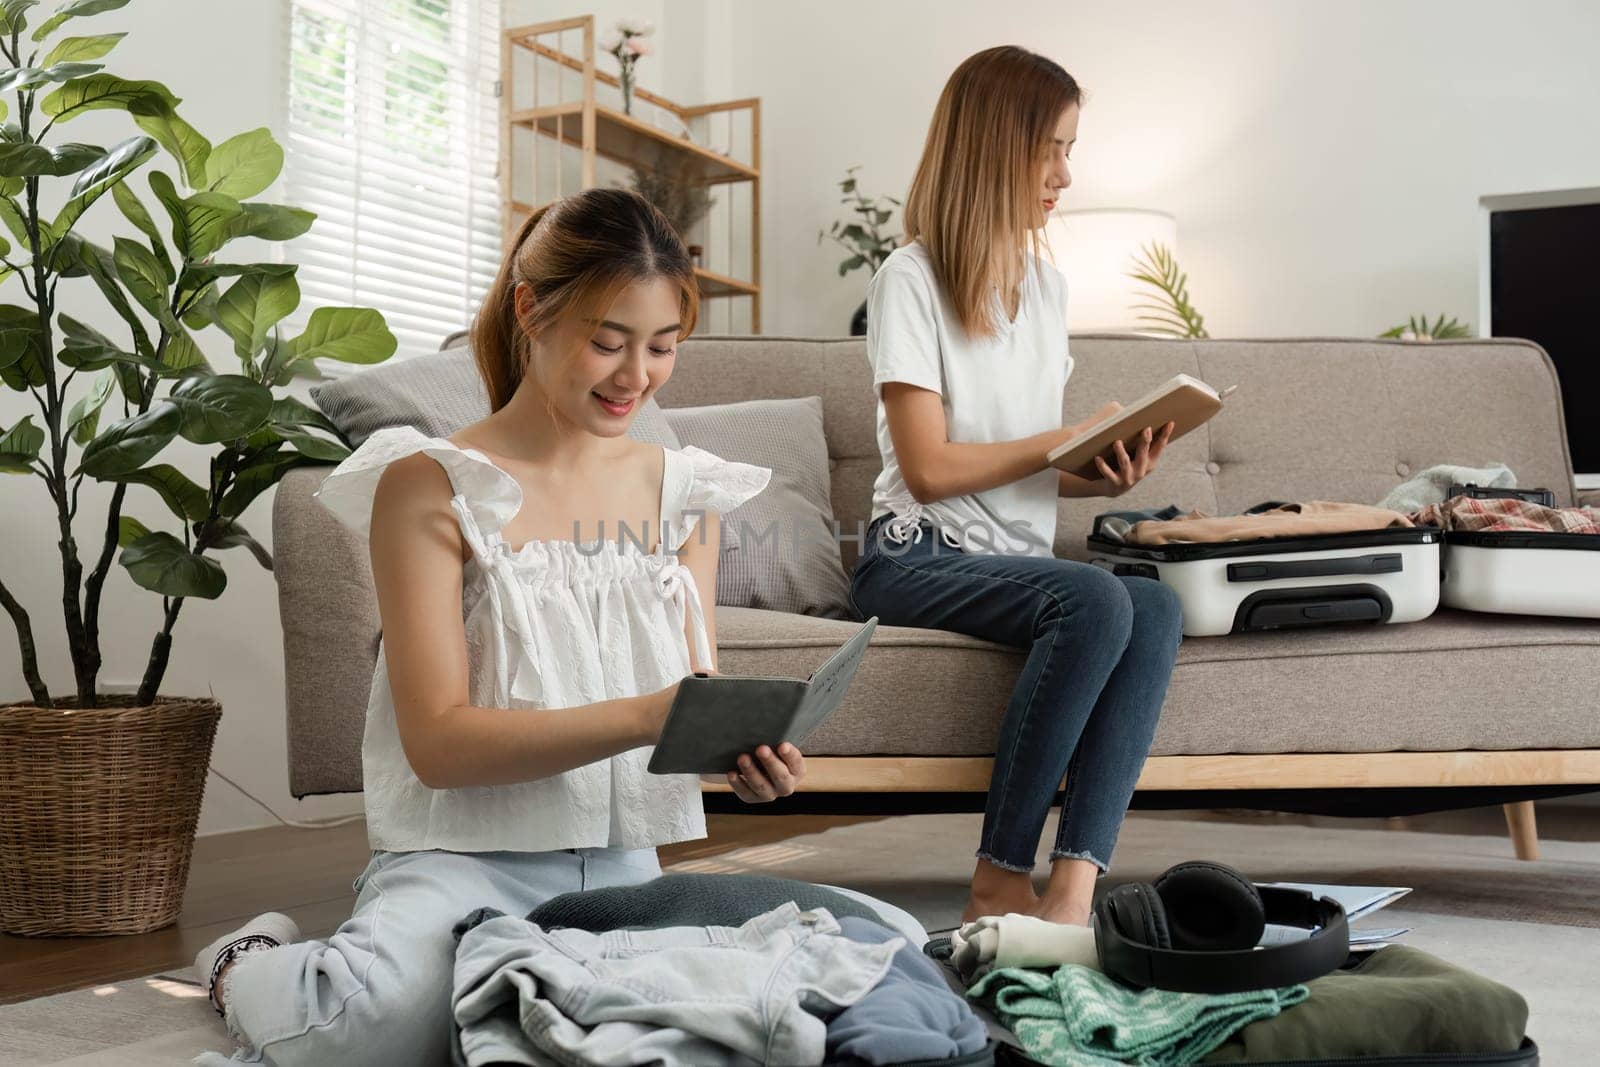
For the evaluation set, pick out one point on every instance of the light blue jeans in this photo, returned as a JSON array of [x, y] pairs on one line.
[[378, 990]]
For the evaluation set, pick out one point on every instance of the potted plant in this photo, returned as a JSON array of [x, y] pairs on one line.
[[99, 792], [863, 237]]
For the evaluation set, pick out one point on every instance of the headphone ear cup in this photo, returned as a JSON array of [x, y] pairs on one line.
[[1210, 907], [1137, 913]]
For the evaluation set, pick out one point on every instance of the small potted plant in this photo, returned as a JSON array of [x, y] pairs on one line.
[[99, 792], [862, 236]]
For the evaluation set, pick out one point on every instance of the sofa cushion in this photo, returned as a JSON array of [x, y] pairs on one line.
[[1416, 687], [788, 559], [437, 393]]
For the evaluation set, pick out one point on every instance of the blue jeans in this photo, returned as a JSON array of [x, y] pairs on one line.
[[1100, 654]]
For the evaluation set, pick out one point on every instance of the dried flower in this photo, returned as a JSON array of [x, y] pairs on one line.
[[610, 42], [633, 27], [638, 46]]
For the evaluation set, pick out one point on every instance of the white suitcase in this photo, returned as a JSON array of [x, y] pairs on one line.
[[1523, 573], [1375, 576]]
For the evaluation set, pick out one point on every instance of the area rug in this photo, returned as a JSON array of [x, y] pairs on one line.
[[1534, 926]]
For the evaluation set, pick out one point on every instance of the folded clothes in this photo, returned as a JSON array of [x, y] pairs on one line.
[[1400, 1001], [1279, 520], [1468, 514], [911, 1016], [679, 996], [1432, 486], [1074, 1015], [1020, 941]]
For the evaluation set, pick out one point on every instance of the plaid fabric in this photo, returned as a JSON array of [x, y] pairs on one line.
[[1470, 515], [1077, 1017]]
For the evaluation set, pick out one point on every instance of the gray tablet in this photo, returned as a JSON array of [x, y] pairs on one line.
[[713, 720]]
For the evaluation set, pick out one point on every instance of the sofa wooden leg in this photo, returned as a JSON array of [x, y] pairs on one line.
[[1524, 830]]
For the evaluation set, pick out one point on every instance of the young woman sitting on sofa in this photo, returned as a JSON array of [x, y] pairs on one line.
[[470, 804], [968, 342]]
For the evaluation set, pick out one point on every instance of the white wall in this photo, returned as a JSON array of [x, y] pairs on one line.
[[229, 70], [1324, 160]]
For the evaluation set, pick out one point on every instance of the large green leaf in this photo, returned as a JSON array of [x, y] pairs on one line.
[[20, 341], [127, 445], [258, 478], [200, 307], [146, 281], [100, 265], [244, 165], [291, 411], [13, 15], [107, 91], [19, 327], [129, 530], [181, 140], [220, 407], [312, 446], [252, 306], [114, 165], [271, 222], [84, 417], [12, 216], [182, 496], [91, 185], [86, 348], [17, 79], [76, 9], [182, 355], [201, 223], [82, 49], [133, 210], [160, 562], [19, 446], [26, 159], [350, 335], [226, 533]]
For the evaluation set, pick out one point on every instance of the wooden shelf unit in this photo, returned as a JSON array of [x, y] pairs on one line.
[[599, 131]]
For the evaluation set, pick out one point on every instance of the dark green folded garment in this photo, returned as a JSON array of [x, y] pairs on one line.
[[1400, 1001]]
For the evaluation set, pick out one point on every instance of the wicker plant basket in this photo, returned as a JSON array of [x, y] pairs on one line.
[[97, 814]]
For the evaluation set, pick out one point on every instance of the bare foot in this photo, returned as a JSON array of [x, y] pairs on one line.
[[1068, 913], [997, 891], [1022, 902]]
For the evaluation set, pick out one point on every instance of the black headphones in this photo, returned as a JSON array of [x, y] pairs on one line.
[[1195, 930]]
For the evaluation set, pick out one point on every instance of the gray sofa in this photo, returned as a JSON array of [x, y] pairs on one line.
[[1456, 701]]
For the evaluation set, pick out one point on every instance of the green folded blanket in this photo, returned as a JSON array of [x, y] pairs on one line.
[[1399, 1001], [1076, 1016]]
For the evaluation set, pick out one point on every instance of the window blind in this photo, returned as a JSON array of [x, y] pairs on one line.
[[393, 137]]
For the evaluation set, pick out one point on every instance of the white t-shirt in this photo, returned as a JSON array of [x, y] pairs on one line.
[[997, 388]]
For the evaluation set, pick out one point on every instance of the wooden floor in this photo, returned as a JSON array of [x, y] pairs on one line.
[[307, 875]]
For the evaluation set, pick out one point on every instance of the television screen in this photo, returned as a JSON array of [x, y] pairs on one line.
[[1544, 284]]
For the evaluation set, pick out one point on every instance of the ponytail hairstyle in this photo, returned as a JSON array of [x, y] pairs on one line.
[[973, 198], [576, 254]]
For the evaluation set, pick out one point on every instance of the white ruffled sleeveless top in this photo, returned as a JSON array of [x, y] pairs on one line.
[[549, 624]]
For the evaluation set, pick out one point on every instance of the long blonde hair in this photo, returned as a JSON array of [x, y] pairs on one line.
[[973, 198], [576, 254]]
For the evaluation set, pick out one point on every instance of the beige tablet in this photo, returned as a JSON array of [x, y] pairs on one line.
[[1187, 402]]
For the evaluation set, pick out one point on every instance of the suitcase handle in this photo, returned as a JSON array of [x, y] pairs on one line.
[[1377, 563]]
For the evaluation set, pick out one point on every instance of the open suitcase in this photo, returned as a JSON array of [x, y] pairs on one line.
[[1521, 572], [1006, 1049], [1375, 576]]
